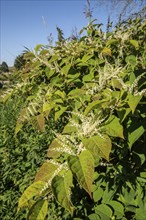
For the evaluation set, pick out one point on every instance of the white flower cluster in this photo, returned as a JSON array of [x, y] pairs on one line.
[[134, 87], [106, 74], [67, 144], [120, 34], [88, 125], [109, 72], [91, 90]]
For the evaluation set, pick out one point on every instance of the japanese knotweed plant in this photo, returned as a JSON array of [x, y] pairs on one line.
[[96, 87]]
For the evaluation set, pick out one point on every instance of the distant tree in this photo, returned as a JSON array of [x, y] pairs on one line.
[[60, 35], [4, 67], [19, 62]]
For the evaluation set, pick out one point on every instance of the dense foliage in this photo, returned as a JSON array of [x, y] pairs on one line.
[[85, 99]]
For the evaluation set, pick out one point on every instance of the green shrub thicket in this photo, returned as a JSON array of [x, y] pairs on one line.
[[86, 100]]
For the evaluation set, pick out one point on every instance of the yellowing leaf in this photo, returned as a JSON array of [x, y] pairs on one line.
[[33, 190], [82, 167], [135, 44], [46, 106], [38, 211], [107, 51], [18, 128], [41, 122], [54, 149], [46, 172]]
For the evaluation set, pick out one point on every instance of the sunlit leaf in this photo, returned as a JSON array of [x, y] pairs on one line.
[[61, 190], [103, 211], [135, 44], [54, 150], [133, 101], [107, 51], [118, 209], [82, 167], [66, 69], [33, 190], [113, 127], [46, 172], [98, 146], [38, 211]]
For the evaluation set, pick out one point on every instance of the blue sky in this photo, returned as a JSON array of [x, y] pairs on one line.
[[22, 22]]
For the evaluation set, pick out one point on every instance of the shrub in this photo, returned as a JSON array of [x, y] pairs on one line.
[[93, 91]]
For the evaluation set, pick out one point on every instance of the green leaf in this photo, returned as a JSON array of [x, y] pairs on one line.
[[135, 44], [118, 209], [61, 190], [140, 213], [133, 101], [138, 158], [89, 77], [108, 194], [69, 129], [134, 133], [47, 106], [33, 190], [60, 112], [97, 194], [98, 146], [123, 113], [103, 211], [38, 211], [113, 127], [66, 69], [131, 59], [60, 93], [38, 47], [82, 167], [86, 57], [46, 172], [94, 217], [111, 41], [93, 105], [116, 83]]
